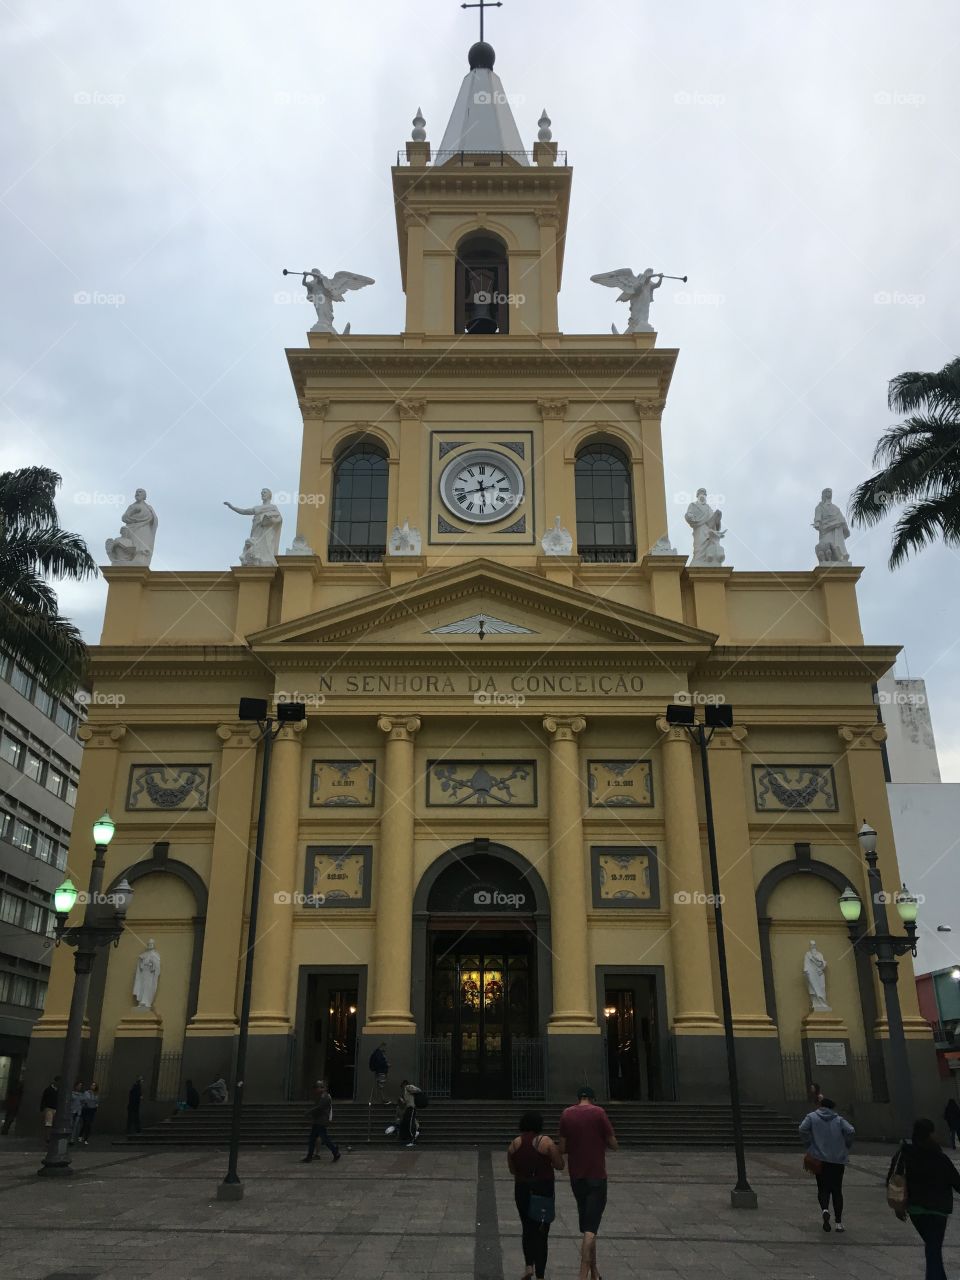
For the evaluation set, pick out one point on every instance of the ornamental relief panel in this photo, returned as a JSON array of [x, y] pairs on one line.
[[620, 784], [167, 787], [336, 784], [794, 788], [454, 784]]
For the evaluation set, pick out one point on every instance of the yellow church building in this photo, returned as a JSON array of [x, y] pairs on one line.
[[485, 846]]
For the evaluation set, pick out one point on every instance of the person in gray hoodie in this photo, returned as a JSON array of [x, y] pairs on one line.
[[829, 1138]]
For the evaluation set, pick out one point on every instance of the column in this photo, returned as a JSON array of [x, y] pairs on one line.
[[393, 940], [572, 1002], [229, 870], [269, 1009], [683, 886]]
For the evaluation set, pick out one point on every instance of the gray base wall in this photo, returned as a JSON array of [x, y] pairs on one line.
[[206, 1058], [701, 1069], [572, 1061]]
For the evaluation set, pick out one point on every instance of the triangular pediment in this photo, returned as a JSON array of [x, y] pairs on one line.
[[488, 604]]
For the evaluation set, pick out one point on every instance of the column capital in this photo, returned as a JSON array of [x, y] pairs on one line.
[[101, 735], [862, 738], [411, 408], [399, 728], [651, 408], [236, 734], [314, 406], [672, 732], [552, 408], [290, 731], [564, 728], [728, 739]]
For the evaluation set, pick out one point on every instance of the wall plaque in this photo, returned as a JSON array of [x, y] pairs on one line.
[[620, 784], [470, 783], [625, 876], [788, 788], [343, 784], [167, 787], [337, 876], [830, 1053]]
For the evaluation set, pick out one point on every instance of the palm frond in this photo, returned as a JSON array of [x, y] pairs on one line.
[[50, 550], [47, 643], [27, 497], [922, 524], [938, 391]]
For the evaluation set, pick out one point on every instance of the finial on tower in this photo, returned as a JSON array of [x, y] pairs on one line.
[[546, 133], [419, 133]]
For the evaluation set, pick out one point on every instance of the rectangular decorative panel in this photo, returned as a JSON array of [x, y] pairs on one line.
[[337, 876], [168, 786], [789, 788], [336, 784], [625, 876], [620, 784], [470, 783]]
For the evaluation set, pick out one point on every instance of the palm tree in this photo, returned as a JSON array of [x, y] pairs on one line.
[[919, 461], [34, 548]]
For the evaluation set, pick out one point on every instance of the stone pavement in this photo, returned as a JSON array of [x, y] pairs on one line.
[[392, 1214]]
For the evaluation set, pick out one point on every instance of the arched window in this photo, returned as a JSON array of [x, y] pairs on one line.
[[358, 525], [604, 505], [482, 285]]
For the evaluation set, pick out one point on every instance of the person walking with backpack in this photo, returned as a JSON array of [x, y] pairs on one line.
[[320, 1115], [586, 1135], [829, 1138], [88, 1112], [532, 1158], [381, 1069], [931, 1178]]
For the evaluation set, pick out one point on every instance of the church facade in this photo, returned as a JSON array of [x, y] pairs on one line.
[[485, 845]]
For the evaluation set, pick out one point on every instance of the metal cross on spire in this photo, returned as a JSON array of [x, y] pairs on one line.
[[481, 5]]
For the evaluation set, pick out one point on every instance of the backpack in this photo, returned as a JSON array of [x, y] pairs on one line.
[[421, 1100], [897, 1185]]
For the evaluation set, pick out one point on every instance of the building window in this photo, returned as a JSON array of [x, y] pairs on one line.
[[34, 917], [66, 720], [55, 782], [45, 848], [5, 987], [71, 796], [41, 994], [12, 751], [604, 505], [45, 702], [61, 857], [482, 285], [21, 680], [32, 766], [358, 530], [11, 908], [21, 990], [23, 836]]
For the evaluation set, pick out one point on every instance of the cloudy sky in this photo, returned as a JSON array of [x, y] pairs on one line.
[[161, 163]]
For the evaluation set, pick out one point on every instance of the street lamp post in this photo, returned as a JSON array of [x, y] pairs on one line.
[[886, 947], [231, 1188], [98, 929], [743, 1195]]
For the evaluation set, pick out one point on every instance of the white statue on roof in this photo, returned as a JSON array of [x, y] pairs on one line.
[[323, 291], [637, 290]]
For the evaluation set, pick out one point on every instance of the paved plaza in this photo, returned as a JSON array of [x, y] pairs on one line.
[[389, 1214]]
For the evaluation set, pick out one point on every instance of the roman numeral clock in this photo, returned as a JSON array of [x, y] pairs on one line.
[[482, 487]]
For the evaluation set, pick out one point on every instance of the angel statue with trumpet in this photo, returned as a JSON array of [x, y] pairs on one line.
[[323, 291], [638, 291]]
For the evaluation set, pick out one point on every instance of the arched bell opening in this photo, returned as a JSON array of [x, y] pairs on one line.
[[482, 285]]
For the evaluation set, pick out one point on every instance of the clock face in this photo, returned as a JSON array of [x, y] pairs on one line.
[[482, 486]]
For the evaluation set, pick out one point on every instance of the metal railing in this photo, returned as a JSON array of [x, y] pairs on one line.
[[434, 1056], [480, 156], [607, 555], [868, 1080], [101, 1073], [355, 555], [168, 1077], [527, 1078]]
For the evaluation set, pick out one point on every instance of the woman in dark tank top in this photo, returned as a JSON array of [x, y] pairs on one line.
[[532, 1158]]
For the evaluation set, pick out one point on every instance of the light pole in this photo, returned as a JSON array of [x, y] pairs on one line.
[[98, 929], [231, 1188], [887, 948], [743, 1195]]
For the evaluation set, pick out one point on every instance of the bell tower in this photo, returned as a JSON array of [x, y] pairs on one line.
[[481, 221]]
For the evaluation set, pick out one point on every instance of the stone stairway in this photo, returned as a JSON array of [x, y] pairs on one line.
[[462, 1123]]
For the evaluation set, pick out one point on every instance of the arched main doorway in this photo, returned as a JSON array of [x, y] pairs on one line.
[[482, 977]]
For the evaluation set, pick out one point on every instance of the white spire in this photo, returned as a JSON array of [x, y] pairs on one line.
[[481, 119]]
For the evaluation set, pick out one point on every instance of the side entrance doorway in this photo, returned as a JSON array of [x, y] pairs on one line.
[[636, 1050], [331, 1004]]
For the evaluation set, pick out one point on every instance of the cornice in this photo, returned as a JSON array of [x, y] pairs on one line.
[[556, 363], [863, 662]]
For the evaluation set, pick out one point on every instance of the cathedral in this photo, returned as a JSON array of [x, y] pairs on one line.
[[485, 844]]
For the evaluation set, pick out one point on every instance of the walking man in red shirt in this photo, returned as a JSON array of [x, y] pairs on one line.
[[585, 1135]]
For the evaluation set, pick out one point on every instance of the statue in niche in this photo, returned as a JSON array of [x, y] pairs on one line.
[[147, 977], [815, 973]]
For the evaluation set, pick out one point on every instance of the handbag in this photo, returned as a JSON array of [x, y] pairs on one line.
[[812, 1164], [542, 1209], [897, 1187]]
